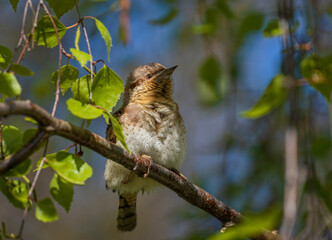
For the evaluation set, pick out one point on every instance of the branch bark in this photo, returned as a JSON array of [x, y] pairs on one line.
[[49, 126]]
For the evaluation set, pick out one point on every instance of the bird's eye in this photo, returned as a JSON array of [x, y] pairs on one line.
[[149, 76]]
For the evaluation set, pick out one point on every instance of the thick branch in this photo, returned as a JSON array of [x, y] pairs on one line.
[[186, 190]]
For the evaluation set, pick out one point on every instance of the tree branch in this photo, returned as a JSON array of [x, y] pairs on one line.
[[52, 126]]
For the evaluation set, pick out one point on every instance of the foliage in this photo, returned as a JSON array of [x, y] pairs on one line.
[[87, 103], [223, 30]]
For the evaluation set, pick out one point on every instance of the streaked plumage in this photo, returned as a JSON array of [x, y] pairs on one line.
[[152, 126]]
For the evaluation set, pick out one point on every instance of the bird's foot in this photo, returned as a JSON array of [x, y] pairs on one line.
[[143, 160], [178, 173]]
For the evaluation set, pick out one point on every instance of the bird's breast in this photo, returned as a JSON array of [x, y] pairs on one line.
[[158, 134]]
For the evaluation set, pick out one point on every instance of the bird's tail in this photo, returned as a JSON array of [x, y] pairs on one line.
[[127, 212]]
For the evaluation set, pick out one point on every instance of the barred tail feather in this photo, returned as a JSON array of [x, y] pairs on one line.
[[127, 212]]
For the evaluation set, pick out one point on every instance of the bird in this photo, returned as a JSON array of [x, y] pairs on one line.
[[153, 129]]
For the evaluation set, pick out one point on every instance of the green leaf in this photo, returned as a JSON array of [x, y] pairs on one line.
[[209, 72], [31, 120], [211, 84], [107, 87], [169, 16], [274, 29], [16, 191], [12, 139], [77, 37], [249, 227], [250, 23], [318, 72], [45, 33], [70, 167], [5, 56], [69, 74], [202, 29], [45, 164], [28, 134], [224, 8], [275, 94], [21, 70], [81, 89], [14, 4], [118, 131], [82, 57], [20, 170], [45, 211], [60, 7], [106, 36], [9, 85], [83, 110], [62, 191]]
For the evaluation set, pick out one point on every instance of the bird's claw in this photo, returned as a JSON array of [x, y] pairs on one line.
[[143, 160]]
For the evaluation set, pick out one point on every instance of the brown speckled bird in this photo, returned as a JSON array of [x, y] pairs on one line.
[[153, 129]]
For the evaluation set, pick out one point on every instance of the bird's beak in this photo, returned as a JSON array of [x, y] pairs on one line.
[[165, 74]]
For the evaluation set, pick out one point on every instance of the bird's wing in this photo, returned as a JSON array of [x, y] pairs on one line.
[[110, 136]]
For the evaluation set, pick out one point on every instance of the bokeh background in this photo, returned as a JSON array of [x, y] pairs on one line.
[[240, 161]]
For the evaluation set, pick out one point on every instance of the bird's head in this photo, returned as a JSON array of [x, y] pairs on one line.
[[149, 83]]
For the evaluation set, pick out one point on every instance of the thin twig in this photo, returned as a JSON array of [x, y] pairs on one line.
[[56, 101], [57, 93], [23, 24], [35, 179], [26, 46], [89, 49]]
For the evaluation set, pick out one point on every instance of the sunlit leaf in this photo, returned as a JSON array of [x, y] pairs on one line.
[[31, 120], [14, 4], [169, 16], [9, 85], [249, 227], [275, 94], [45, 164], [62, 191], [16, 191], [82, 57], [70, 167], [107, 87], [20, 170], [45, 211], [5, 56], [81, 89], [77, 37], [118, 131], [69, 74], [21, 70], [274, 29], [83, 110], [12, 139], [318, 72], [106, 36], [45, 33], [60, 7]]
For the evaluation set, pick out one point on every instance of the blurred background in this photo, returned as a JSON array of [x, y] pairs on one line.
[[225, 63]]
